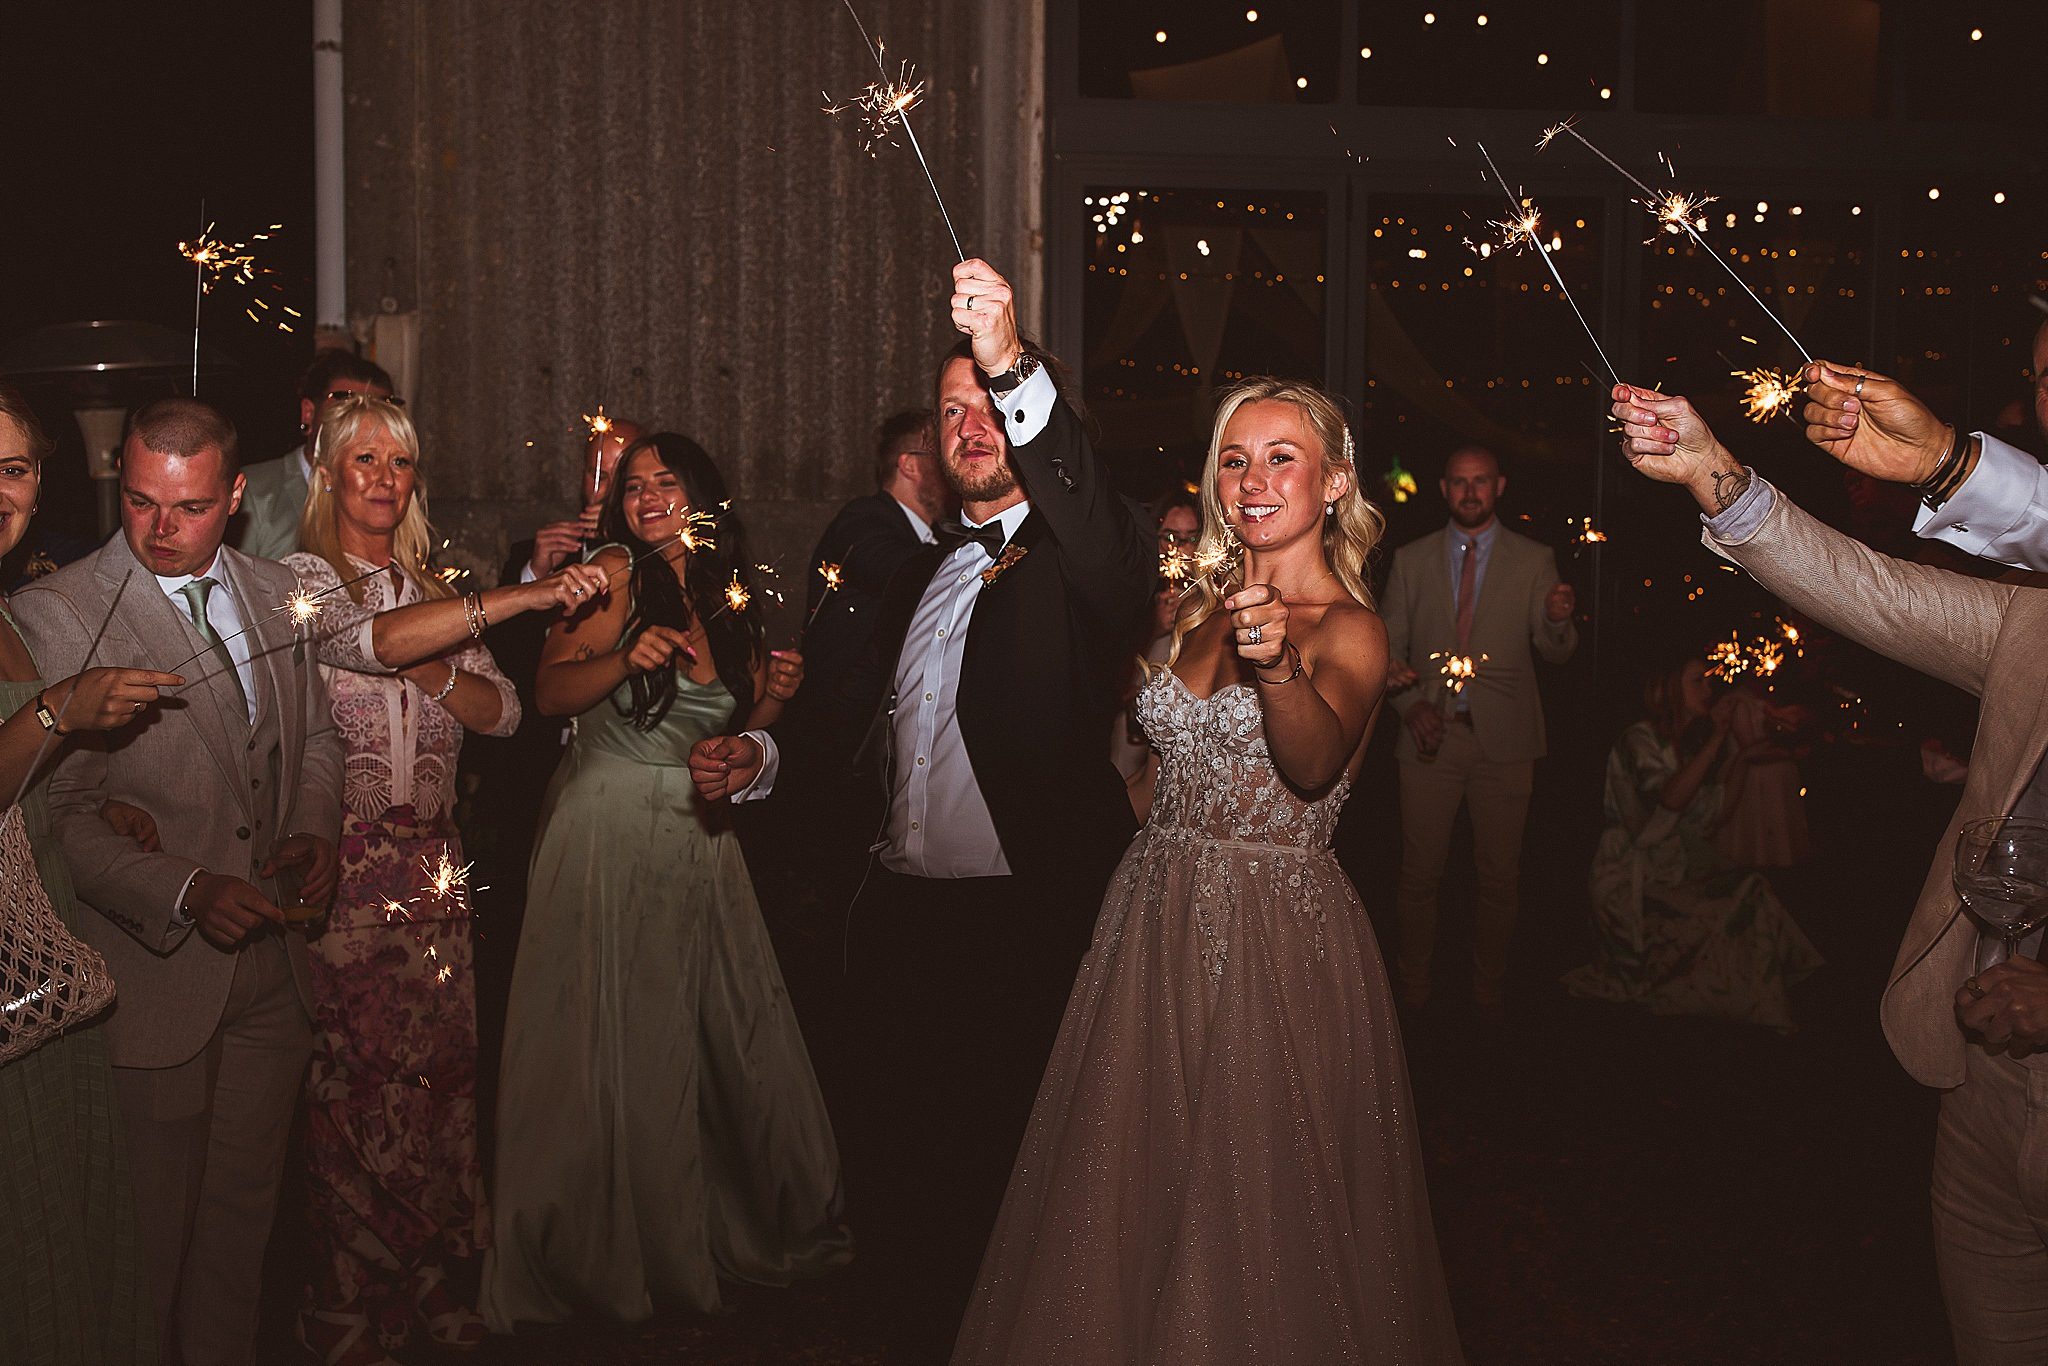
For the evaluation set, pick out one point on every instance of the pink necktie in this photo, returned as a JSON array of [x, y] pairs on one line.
[[1466, 570]]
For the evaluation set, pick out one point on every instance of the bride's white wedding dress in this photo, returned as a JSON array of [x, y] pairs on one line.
[[1222, 1164]]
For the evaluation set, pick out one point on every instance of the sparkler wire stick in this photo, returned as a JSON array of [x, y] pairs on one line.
[[1650, 202], [875, 49], [198, 292], [1515, 206], [91, 653], [300, 605]]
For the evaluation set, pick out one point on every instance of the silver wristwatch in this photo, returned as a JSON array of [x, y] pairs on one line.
[[1025, 368]]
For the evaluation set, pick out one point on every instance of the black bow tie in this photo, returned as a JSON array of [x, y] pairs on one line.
[[990, 538]]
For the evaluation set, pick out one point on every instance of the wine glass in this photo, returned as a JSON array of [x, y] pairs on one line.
[[2001, 874]]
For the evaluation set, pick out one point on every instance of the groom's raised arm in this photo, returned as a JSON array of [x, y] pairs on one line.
[[1111, 560]]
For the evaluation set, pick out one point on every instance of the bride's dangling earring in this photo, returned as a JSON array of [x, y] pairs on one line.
[[1329, 509]]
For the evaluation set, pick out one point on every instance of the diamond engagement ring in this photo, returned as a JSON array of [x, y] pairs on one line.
[[1254, 635]]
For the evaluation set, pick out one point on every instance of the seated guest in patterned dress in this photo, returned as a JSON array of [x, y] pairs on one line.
[[396, 1192]]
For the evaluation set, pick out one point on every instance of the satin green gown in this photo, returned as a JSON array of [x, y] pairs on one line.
[[73, 1292], [659, 1124]]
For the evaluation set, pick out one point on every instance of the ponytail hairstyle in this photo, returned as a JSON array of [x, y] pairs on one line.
[[1351, 530], [660, 598]]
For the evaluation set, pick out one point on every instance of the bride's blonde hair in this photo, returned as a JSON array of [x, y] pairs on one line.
[[1351, 529]]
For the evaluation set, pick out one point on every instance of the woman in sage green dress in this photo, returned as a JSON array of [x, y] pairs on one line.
[[659, 1125], [74, 1291]]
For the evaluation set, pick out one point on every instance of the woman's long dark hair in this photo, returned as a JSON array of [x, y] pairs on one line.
[[660, 599]]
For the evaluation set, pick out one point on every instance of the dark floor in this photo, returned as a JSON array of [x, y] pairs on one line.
[[1608, 1187]]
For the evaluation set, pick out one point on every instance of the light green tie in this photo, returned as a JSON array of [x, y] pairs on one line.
[[195, 594]]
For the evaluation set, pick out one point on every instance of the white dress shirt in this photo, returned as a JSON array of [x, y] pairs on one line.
[[932, 774], [2000, 512], [224, 615]]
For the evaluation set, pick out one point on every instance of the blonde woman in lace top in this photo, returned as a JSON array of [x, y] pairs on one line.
[[396, 1191]]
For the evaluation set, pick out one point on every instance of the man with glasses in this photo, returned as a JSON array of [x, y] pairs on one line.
[[276, 489]]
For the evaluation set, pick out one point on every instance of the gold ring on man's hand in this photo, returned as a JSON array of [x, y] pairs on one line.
[[1976, 989]]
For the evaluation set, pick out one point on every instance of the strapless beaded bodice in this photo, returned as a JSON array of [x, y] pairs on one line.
[[1216, 779]]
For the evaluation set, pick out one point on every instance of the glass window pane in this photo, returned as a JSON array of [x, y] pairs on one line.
[[1966, 265], [1469, 348], [1504, 56], [1186, 292], [1254, 51]]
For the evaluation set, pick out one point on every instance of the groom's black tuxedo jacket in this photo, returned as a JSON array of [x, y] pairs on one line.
[[1047, 647]]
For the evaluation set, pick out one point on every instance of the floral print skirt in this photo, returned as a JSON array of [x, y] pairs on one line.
[[395, 1187]]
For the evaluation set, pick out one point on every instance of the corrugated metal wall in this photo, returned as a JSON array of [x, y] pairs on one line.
[[639, 202]]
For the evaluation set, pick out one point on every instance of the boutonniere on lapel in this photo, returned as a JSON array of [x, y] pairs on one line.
[[1011, 554]]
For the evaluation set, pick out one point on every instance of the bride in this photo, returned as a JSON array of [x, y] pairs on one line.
[[1222, 1164]]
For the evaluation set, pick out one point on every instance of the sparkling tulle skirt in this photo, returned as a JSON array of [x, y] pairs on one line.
[[1222, 1165]]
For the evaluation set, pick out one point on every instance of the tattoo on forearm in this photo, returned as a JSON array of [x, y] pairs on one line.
[[1728, 486]]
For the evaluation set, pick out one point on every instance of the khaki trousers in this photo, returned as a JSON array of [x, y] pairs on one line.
[[1991, 1211], [206, 1143], [1497, 795]]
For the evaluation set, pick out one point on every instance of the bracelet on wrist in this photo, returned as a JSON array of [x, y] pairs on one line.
[[1289, 651], [449, 686], [1937, 478]]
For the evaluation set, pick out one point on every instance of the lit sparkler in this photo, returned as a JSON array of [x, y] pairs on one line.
[[1770, 392], [446, 882], [1676, 212], [833, 576], [736, 595], [1726, 659], [887, 104], [216, 261], [699, 531], [302, 607], [1588, 533], [1457, 670], [1522, 224]]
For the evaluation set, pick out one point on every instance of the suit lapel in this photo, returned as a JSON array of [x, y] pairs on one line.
[[1438, 602]]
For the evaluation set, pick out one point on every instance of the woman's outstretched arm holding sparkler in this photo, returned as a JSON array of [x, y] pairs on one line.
[[587, 656], [408, 635], [96, 700]]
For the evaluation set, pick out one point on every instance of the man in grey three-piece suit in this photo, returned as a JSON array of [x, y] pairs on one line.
[[241, 769]]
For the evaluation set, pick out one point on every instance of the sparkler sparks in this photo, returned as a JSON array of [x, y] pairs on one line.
[[1588, 533], [1521, 225], [1675, 212], [445, 881], [1770, 392], [1457, 670], [882, 107], [300, 605], [216, 261], [1725, 659], [597, 423], [736, 595], [833, 576], [886, 105]]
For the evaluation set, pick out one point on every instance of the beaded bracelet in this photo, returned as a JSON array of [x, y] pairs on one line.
[[449, 686]]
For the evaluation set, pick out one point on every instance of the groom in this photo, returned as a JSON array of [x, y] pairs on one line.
[[994, 675]]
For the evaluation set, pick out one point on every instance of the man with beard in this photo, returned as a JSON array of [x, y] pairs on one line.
[[1000, 651], [1476, 590]]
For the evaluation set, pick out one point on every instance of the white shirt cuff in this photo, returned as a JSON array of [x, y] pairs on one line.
[[771, 764], [1991, 504], [526, 574], [1028, 407]]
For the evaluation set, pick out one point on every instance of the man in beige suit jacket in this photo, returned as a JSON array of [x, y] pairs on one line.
[[1477, 747], [1979, 1036], [241, 769]]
